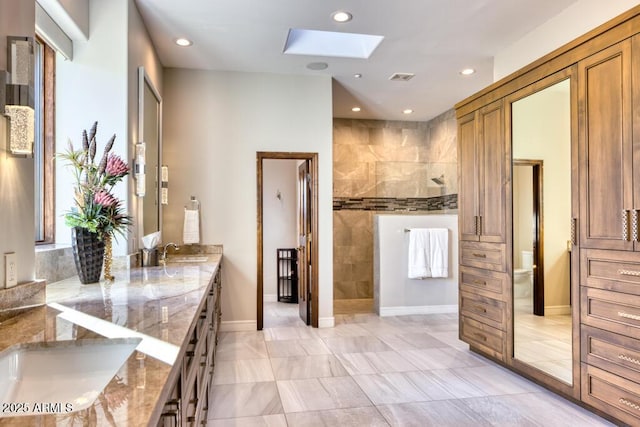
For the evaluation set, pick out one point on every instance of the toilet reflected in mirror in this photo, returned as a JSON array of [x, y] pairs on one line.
[[523, 279]]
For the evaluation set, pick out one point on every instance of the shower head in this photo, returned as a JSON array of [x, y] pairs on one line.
[[438, 180]]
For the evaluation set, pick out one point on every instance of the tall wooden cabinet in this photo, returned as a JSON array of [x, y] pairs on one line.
[[606, 229], [481, 193], [609, 124]]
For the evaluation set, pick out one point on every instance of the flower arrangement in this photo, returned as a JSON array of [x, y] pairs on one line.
[[96, 208]]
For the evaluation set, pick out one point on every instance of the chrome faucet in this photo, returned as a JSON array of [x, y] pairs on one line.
[[164, 251]]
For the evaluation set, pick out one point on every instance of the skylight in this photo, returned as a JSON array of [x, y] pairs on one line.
[[330, 43]]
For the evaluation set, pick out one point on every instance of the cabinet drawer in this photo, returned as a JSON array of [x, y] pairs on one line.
[[615, 353], [483, 309], [613, 270], [482, 337], [612, 394], [490, 256], [611, 311], [482, 281]]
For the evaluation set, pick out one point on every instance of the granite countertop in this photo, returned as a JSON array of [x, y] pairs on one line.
[[157, 304]]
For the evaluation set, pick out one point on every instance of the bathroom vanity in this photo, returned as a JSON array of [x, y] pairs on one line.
[[173, 311]]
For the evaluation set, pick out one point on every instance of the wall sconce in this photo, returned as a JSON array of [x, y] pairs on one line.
[[19, 96], [164, 185], [139, 169]]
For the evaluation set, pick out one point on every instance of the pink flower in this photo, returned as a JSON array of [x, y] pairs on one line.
[[116, 166], [105, 199]]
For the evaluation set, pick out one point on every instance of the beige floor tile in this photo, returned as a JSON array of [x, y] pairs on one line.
[[289, 333], [242, 371], [360, 344], [242, 350], [244, 400], [289, 348], [412, 341], [390, 388], [323, 365], [374, 363], [278, 420], [321, 394], [441, 358], [443, 413], [352, 417]]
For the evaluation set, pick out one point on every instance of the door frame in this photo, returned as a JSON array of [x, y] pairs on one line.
[[538, 233], [313, 171]]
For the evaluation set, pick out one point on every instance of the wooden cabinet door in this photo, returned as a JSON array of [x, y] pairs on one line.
[[605, 154], [467, 178], [492, 160]]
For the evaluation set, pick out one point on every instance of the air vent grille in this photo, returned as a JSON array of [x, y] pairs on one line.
[[401, 77]]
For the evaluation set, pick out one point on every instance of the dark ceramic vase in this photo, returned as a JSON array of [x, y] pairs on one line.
[[88, 254]]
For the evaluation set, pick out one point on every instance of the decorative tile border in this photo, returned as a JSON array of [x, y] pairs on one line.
[[390, 204]]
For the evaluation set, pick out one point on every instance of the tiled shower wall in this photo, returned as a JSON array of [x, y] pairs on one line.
[[384, 166]]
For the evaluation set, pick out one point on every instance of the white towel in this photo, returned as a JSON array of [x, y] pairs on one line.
[[191, 229], [439, 252], [419, 251], [428, 253]]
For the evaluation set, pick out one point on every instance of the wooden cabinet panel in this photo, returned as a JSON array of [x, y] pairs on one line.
[[482, 161], [467, 178], [611, 311], [492, 159], [612, 352], [482, 282], [605, 149], [483, 309], [482, 337], [488, 256], [612, 394], [613, 270]]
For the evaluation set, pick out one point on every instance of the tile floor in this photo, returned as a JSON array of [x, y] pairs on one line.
[[372, 371]]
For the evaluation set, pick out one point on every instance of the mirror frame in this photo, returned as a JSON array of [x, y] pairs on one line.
[[519, 366], [144, 81]]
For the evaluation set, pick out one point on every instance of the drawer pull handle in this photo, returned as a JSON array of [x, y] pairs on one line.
[[628, 316], [625, 225], [477, 255], [634, 225], [629, 273], [629, 403], [480, 282], [628, 359], [478, 308], [481, 336]]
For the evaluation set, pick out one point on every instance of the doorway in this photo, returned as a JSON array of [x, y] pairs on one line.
[[528, 192], [307, 241]]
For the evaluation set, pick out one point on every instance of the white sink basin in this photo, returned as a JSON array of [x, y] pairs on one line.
[[189, 258], [68, 372]]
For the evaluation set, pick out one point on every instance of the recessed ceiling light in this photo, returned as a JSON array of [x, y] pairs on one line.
[[467, 71], [183, 42], [355, 109], [357, 76], [341, 16], [407, 111], [317, 66]]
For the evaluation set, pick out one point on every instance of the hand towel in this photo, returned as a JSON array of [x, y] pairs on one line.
[[439, 252], [419, 252], [191, 229]]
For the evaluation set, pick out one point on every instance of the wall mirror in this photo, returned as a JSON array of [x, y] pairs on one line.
[[150, 132], [542, 211]]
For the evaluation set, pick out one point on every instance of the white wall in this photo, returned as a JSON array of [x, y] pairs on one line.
[[542, 130], [214, 124], [396, 294], [141, 53], [279, 216], [571, 23], [17, 229], [93, 87]]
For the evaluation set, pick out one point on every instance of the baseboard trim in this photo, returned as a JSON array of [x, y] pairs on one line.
[[420, 309], [270, 298], [557, 310], [326, 322], [238, 325]]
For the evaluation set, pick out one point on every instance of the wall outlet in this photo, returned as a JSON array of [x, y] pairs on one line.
[[10, 269]]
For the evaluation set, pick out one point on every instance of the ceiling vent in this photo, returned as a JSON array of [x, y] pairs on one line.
[[401, 77]]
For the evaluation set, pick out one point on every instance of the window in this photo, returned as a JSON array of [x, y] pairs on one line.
[[44, 146]]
